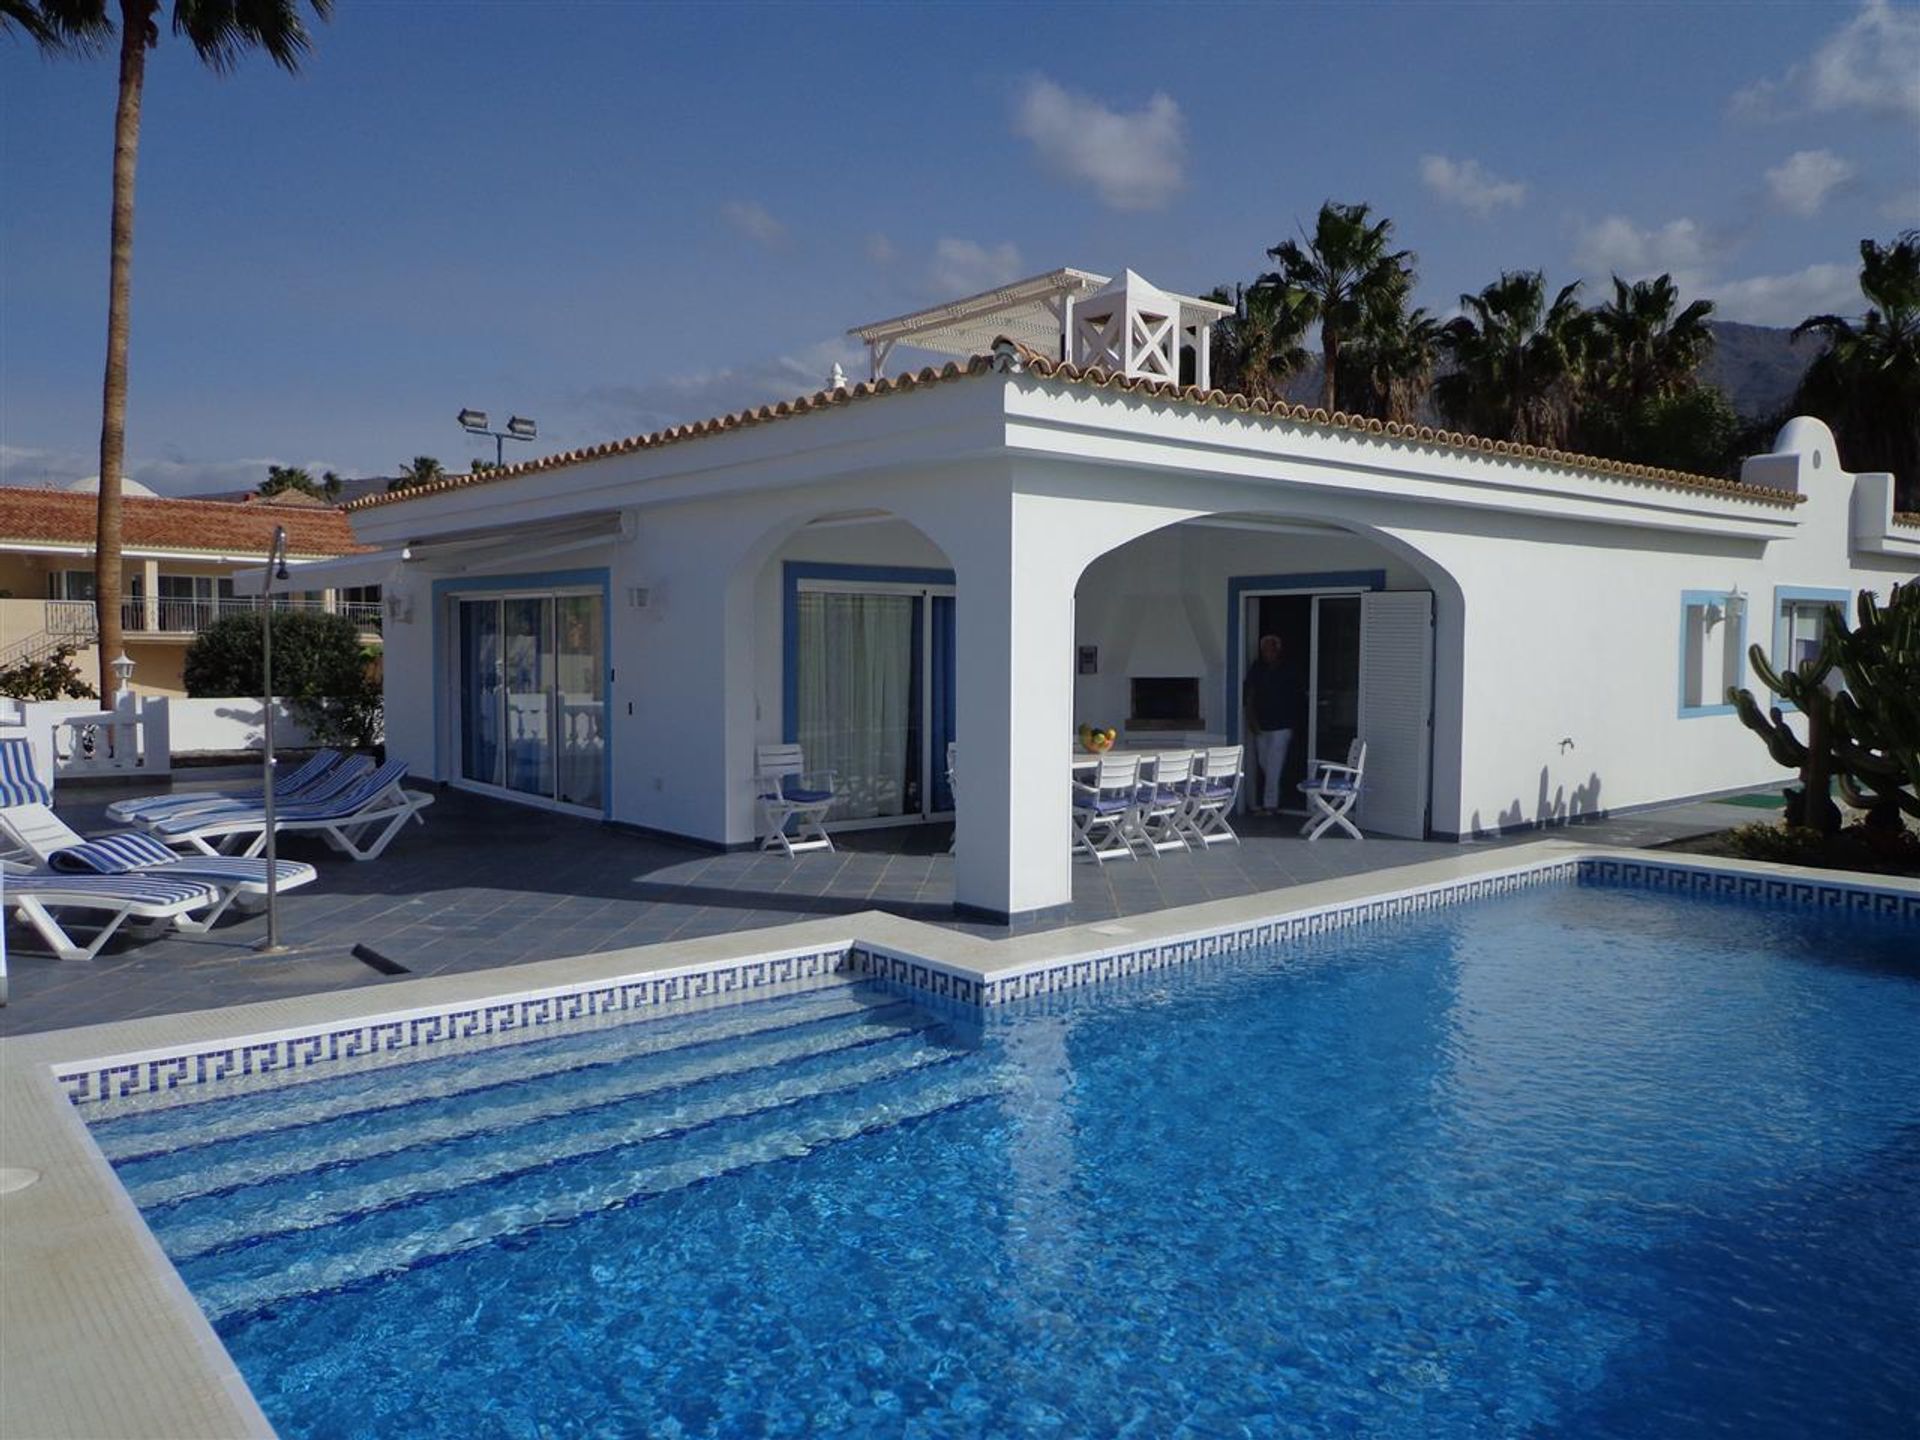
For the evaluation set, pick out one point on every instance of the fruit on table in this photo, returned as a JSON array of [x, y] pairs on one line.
[[1093, 739]]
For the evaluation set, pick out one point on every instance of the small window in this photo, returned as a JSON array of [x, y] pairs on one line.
[[1713, 650], [1799, 626]]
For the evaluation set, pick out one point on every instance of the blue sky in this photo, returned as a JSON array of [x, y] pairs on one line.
[[610, 216]]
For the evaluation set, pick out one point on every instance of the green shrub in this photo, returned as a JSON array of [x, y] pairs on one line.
[[52, 678], [1872, 846], [319, 667]]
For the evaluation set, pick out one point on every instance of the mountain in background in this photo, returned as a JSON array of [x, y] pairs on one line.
[[1758, 366]]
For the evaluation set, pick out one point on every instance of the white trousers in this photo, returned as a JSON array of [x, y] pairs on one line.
[[1271, 748]]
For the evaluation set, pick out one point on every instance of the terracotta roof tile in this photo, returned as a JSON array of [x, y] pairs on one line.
[[1009, 356], [216, 526]]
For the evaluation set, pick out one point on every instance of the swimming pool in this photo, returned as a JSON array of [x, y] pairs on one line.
[[1580, 1161]]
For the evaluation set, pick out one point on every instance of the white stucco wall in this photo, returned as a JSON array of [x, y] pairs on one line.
[[1557, 595]]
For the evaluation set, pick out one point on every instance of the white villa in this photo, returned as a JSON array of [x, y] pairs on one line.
[[1054, 529]]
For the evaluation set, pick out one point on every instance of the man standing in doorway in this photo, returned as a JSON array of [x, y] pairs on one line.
[[1274, 700]]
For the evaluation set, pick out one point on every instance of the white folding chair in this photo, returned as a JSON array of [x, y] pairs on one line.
[[1333, 791], [1162, 817], [1106, 810], [790, 794], [1213, 794]]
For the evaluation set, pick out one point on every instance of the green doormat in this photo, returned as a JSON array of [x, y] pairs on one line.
[[1758, 802]]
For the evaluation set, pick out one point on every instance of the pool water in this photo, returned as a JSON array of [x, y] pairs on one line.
[[1575, 1162]]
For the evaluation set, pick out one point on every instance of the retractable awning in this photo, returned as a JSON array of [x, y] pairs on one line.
[[369, 567]]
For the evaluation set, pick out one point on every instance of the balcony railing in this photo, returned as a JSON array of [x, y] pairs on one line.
[[191, 616]]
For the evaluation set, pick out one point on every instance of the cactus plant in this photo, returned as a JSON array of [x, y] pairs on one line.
[[1867, 735]]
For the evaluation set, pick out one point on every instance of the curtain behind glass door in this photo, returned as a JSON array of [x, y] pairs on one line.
[[479, 691], [527, 646], [581, 764], [855, 682]]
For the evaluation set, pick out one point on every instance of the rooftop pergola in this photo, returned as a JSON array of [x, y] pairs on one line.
[[1039, 312]]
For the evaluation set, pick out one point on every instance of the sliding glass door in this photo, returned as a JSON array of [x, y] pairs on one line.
[[874, 690], [532, 696]]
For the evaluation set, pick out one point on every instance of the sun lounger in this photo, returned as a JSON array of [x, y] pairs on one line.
[[326, 773], [120, 898], [361, 821], [58, 847]]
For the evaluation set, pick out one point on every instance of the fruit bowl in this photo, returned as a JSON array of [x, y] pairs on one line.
[[1096, 741]]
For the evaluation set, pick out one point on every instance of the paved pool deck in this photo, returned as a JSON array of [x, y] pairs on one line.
[[485, 883]]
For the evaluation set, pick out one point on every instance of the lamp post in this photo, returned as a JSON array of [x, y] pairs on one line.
[[276, 570], [474, 422]]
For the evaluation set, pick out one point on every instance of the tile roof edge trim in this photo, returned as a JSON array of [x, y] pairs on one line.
[[1012, 359]]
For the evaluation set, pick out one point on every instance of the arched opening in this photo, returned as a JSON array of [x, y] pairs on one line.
[[854, 624], [1167, 627]]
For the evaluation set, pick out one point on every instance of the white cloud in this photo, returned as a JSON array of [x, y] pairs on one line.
[[28, 466], [705, 394], [1903, 206], [1616, 246], [1870, 63], [1467, 184], [963, 267], [751, 219], [1822, 289], [880, 249], [1801, 183], [1135, 161]]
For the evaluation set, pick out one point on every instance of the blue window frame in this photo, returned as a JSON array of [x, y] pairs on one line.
[[1799, 621], [1713, 650]]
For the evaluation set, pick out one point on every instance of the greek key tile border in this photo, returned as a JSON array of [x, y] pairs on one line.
[[417, 1035], [1751, 889], [1181, 950], [916, 973]]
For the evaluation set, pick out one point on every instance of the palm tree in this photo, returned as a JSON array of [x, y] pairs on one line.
[[1866, 384], [1516, 360], [423, 470], [1390, 363], [1643, 349], [1343, 273], [1257, 348], [220, 31]]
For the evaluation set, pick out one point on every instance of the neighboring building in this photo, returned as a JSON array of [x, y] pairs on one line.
[[179, 557], [992, 552]]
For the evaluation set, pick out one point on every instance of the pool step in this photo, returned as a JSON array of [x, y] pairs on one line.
[[343, 1142], [395, 1240], [294, 1203], [203, 1125]]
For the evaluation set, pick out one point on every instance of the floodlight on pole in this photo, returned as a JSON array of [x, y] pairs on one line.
[[474, 422]]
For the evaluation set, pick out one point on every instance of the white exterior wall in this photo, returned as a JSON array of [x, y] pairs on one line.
[[1557, 595]]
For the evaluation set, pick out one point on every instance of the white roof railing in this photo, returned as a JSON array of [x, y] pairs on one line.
[[1039, 312]]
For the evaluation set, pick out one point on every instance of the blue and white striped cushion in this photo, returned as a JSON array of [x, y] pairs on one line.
[[238, 869], [146, 889], [20, 782], [112, 855]]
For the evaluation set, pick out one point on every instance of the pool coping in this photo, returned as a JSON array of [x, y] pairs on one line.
[[98, 1334]]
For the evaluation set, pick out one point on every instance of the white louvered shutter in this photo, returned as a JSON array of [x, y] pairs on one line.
[[1396, 710]]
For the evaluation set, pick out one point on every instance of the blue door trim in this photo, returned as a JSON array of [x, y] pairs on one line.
[[792, 573], [600, 578], [1237, 588]]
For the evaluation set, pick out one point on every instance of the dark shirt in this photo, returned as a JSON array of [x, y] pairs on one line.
[[1277, 695]]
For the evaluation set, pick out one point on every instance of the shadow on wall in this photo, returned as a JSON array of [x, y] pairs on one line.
[[1550, 809]]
